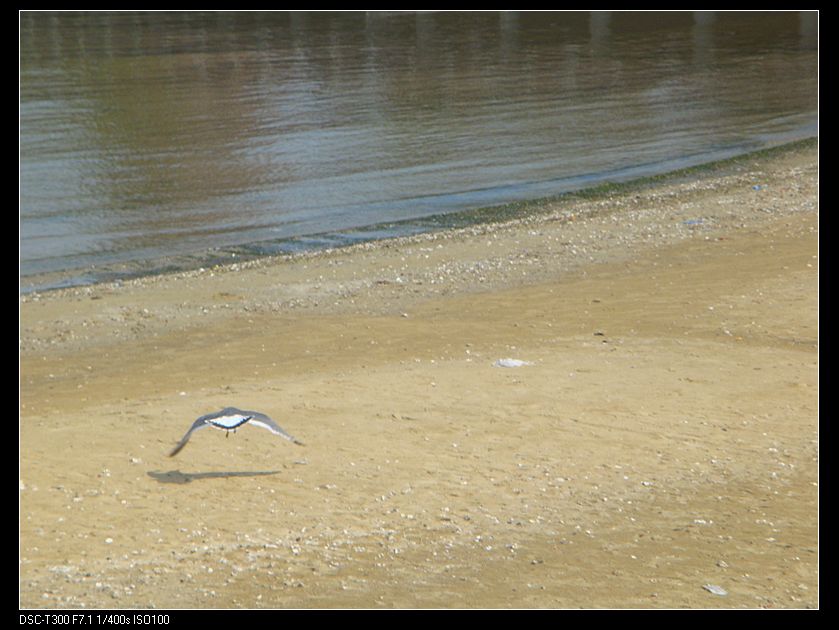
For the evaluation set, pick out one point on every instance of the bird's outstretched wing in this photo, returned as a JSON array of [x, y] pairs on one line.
[[198, 424], [261, 420]]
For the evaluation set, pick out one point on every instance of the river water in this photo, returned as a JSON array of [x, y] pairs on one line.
[[150, 140]]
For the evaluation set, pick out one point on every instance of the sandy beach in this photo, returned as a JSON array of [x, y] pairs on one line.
[[657, 447]]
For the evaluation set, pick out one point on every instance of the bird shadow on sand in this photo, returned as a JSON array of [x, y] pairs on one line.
[[176, 476]]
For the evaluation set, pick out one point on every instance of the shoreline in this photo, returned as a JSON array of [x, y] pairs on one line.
[[320, 242], [663, 436], [541, 239]]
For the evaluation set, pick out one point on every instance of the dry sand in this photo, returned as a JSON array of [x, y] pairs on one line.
[[662, 437]]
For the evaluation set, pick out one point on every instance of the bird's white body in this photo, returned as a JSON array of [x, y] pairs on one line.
[[229, 423]]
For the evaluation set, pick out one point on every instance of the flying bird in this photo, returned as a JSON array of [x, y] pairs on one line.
[[230, 419]]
